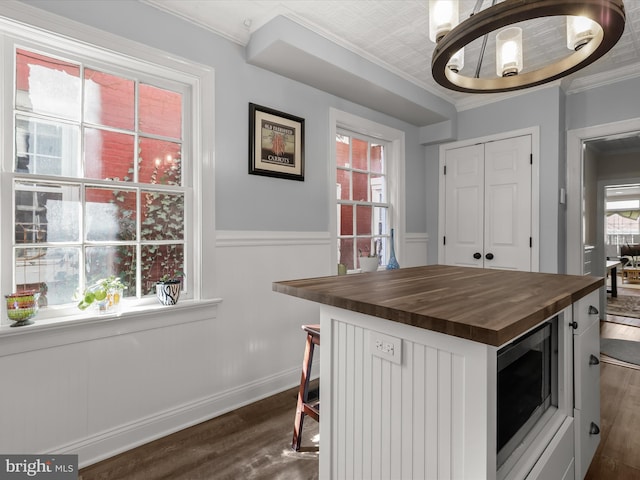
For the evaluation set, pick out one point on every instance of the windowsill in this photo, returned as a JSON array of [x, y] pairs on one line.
[[62, 330]]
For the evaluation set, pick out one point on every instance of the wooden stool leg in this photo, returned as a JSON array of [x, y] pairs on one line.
[[303, 393]]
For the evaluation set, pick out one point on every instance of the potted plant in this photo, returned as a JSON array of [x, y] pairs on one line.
[[368, 262], [168, 288], [105, 293]]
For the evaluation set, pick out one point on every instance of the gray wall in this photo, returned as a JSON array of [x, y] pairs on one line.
[[538, 108], [245, 202], [249, 202], [605, 104]]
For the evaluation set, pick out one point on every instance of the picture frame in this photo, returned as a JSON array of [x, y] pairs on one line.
[[276, 143]]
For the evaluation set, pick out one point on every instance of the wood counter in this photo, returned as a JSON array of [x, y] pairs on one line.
[[486, 306]]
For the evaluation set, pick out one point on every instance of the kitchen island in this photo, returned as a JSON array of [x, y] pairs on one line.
[[408, 371]]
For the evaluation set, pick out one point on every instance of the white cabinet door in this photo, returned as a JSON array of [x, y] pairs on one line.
[[464, 208], [488, 205], [507, 204], [586, 351]]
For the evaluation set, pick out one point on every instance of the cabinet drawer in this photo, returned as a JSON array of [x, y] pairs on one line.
[[557, 460], [586, 366], [587, 397], [586, 442], [586, 312]]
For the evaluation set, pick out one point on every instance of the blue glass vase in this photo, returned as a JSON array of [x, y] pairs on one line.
[[392, 264]]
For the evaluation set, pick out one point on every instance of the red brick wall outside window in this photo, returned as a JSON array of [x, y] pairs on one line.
[[363, 227], [112, 141]]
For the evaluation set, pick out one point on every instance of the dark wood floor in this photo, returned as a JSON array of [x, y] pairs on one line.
[[253, 442], [618, 455]]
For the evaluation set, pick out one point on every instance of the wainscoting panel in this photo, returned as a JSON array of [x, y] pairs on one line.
[[405, 419], [97, 389]]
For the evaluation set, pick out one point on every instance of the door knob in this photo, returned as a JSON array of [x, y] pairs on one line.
[[477, 255], [574, 325], [489, 256]]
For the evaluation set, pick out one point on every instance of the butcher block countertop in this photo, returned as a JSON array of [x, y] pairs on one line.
[[487, 306]]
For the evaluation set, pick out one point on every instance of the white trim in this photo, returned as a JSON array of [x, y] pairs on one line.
[[601, 79], [246, 238], [535, 186], [111, 442], [396, 173], [475, 101], [575, 141], [416, 238], [53, 33], [58, 332]]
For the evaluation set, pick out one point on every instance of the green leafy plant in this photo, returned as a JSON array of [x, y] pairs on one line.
[[177, 276], [161, 218], [106, 289]]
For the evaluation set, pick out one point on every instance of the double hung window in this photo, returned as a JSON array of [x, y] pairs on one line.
[[99, 174], [364, 208]]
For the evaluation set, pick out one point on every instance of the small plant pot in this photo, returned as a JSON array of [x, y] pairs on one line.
[[369, 264], [22, 307], [168, 292]]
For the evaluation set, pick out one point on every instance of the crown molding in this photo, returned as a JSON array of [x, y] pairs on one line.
[[603, 78], [480, 100]]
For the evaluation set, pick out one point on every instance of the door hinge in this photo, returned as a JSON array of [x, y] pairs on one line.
[[445, 169], [444, 240], [531, 159], [530, 242]]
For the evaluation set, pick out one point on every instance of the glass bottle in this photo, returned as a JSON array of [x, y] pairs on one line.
[[392, 264]]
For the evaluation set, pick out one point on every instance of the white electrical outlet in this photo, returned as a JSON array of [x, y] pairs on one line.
[[385, 346]]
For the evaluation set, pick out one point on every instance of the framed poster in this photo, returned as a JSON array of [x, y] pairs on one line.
[[276, 143]]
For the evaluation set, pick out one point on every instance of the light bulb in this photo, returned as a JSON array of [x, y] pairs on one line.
[[580, 31], [456, 62], [443, 17], [509, 52]]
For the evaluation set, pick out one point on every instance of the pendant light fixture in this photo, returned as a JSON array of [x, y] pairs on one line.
[[593, 28]]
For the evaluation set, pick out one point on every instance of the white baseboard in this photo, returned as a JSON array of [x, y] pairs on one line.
[[109, 443]]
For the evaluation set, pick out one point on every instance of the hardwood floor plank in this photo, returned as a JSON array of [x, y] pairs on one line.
[[623, 441], [253, 442]]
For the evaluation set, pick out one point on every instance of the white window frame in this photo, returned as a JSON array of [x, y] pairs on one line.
[[395, 158], [30, 28]]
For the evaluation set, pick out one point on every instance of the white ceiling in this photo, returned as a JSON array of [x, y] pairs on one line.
[[394, 35]]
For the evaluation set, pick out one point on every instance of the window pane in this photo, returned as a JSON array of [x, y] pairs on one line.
[[378, 189], [360, 187], [109, 100], [359, 154], [162, 216], [52, 271], [345, 252], [377, 158], [345, 220], [342, 151], [46, 213], [103, 261], [380, 220], [343, 180], [47, 85], [110, 215], [108, 155], [365, 247], [46, 148], [160, 111], [160, 260], [363, 220], [159, 162]]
